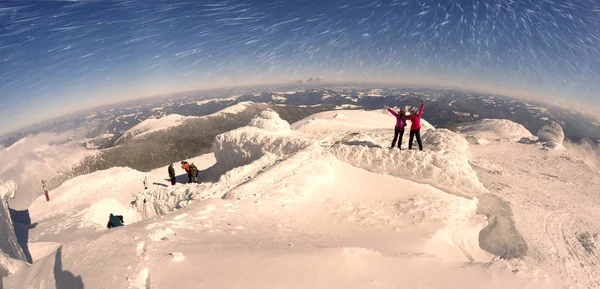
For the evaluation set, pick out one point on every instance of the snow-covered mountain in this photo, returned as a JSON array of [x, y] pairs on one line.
[[152, 125], [323, 203]]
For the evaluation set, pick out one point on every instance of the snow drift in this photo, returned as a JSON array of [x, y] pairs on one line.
[[552, 135], [87, 201], [486, 130]]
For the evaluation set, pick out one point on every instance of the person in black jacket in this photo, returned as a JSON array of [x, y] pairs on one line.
[[194, 173], [172, 175]]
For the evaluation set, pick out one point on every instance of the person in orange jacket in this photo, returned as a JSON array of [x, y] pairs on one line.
[[186, 167]]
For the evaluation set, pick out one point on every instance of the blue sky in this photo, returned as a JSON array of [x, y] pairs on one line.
[[61, 56]]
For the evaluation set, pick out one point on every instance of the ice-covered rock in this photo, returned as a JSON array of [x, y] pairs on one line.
[[487, 130], [269, 120], [267, 133], [8, 265], [552, 135], [9, 246]]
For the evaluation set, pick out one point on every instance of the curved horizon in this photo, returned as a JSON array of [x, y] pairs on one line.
[[59, 57]]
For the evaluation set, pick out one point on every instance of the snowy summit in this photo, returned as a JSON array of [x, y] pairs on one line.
[[324, 203]]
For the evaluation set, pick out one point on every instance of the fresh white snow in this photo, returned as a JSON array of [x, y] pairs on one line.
[[323, 203], [488, 130]]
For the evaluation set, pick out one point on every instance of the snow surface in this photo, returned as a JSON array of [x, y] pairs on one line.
[[326, 204], [487, 130]]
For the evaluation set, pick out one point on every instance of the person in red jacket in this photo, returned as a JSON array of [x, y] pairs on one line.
[[186, 167], [415, 128], [400, 124]]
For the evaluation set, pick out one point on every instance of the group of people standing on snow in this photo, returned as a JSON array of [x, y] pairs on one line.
[[415, 127], [189, 168]]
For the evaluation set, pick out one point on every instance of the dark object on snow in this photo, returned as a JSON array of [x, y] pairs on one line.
[[415, 133], [115, 221], [186, 167], [172, 175], [171, 171], [45, 190], [194, 173], [587, 241], [397, 132]]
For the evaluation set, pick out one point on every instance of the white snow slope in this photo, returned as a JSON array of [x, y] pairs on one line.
[[155, 124], [487, 130], [325, 204]]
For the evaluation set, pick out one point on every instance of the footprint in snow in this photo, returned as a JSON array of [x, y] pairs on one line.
[[141, 248], [161, 234], [142, 281]]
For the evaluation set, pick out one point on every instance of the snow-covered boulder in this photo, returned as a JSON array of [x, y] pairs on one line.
[[9, 247], [552, 135], [270, 120], [488, 130], [267, 133]]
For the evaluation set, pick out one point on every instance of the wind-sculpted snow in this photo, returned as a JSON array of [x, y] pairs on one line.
[[552, 135], [443, 164], [486, 130], [266, 133], [162, 200], [9, 247], [269, 120]]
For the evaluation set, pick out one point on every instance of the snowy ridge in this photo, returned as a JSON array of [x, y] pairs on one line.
[[487, 130], [153, 125], [325, 199], [444, 164], [172, 120], [234, 109]]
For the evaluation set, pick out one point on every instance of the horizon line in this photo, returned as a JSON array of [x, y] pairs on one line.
[[515, 94]]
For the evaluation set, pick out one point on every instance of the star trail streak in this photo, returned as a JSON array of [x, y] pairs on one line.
[[67, 53]]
